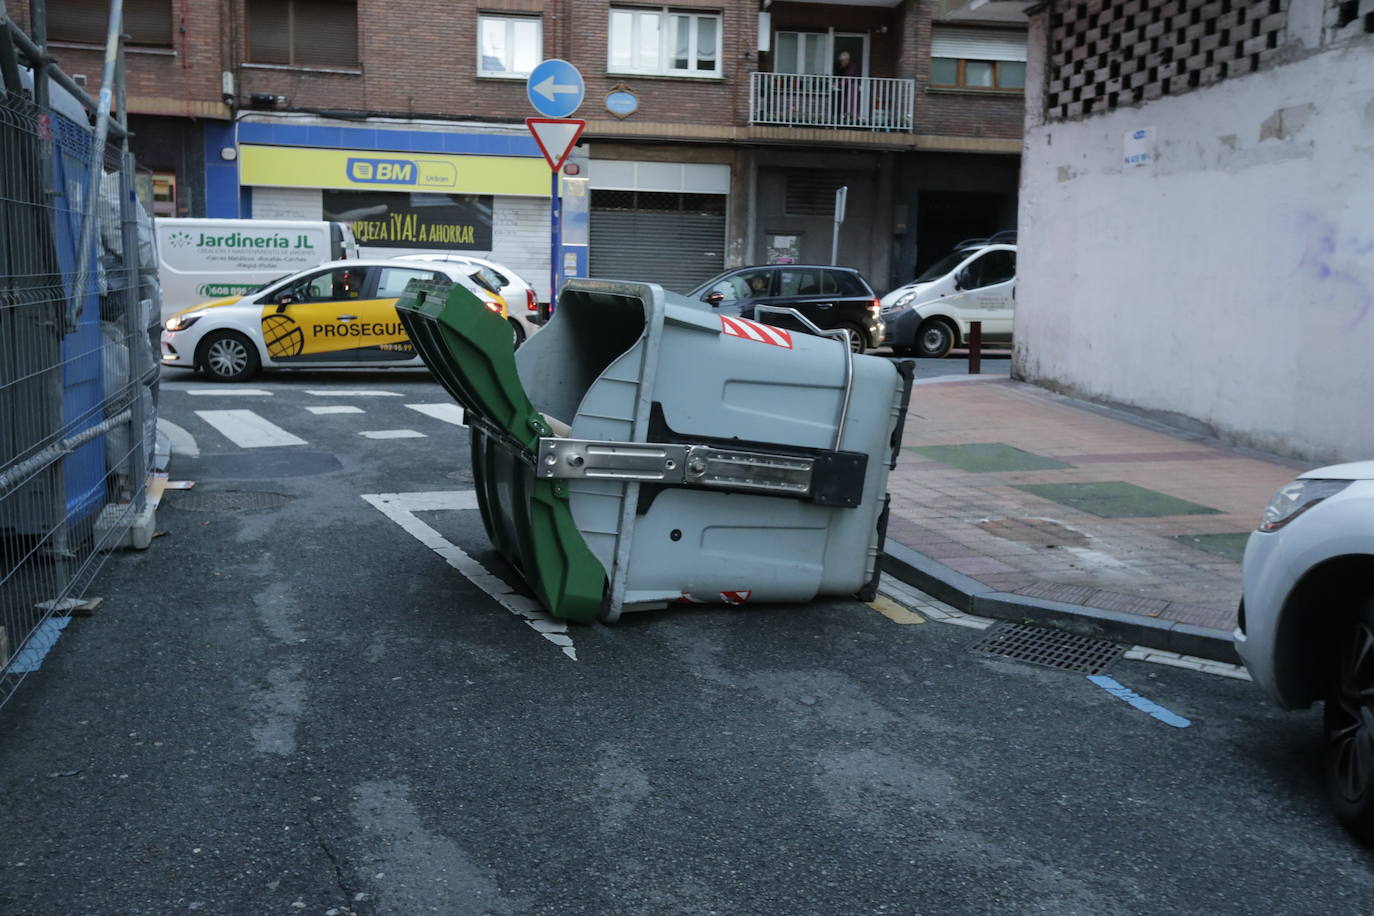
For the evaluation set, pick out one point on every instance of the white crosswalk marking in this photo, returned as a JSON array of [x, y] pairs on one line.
[[401, 508], [392, 434], [246, 429], [338, 408], [351, 393], [226, 391], [449, 413]]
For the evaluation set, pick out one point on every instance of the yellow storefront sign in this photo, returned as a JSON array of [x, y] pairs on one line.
[[306, 167]]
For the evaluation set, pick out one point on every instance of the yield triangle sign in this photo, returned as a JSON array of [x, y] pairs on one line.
[[556, 137]]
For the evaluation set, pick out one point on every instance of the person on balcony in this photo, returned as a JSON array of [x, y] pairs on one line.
[[849, 91]]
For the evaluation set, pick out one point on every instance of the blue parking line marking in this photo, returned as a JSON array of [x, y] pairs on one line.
[[1130, 696], [35, 648]]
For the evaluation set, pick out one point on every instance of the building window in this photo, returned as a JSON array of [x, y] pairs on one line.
[[508, 45], [164, 194], [660, 41], [802, 52], [977, 74], [963, 58], [304, 33], [148, 23]]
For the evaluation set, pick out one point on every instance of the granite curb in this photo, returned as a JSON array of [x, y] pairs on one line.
[[973, 597]]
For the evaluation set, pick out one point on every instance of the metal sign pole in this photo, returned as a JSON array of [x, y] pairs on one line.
[[841, 198], [555, 88], [556, 240]]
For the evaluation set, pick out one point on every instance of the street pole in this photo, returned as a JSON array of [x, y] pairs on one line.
[[113, 31], [841, 198], [556, 240]]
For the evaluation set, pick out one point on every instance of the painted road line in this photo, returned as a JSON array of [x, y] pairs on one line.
[[449, 412], [351, 393], [43, 638], [894, 611], [248, 430], [1154, 710], [1191, 662], [335, 408], [181, 441], [401, 509], [226, 391], [392, 434], [929, 607]]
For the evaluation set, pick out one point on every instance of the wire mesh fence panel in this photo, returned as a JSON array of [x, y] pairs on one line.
[[77, 371]]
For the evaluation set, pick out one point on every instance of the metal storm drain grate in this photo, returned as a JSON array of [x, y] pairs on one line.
[[228, 500], [1049, 647]]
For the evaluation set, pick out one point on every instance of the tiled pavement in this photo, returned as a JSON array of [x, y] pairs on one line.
[[1048, 498]]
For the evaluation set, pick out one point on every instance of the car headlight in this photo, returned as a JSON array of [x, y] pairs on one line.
[[182, 322], [1296, 498], [903, 301]]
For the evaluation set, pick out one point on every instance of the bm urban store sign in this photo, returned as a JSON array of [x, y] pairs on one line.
[[306, 167]]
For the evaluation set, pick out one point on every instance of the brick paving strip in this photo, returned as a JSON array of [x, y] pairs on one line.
[[1011, 501]]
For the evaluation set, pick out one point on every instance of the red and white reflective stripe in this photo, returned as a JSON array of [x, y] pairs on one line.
[[732, 597], [752, 330]]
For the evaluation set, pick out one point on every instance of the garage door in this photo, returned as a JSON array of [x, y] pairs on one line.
[[676, 240]]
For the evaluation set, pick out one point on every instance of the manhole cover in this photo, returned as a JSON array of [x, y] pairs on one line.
[[1049, 647], [1037, 532], [228, 500]]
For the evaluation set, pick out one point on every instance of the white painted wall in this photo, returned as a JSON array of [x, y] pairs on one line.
[[1231, 281]]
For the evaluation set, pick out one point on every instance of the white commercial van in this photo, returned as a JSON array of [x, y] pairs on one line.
[[976, 282], [200, 259]]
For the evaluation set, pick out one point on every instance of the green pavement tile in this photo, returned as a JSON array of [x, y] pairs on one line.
[[987, 456], [1230, 546], [1115, 499]]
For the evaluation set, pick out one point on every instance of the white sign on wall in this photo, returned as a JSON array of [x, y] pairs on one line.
[[1138, 147]]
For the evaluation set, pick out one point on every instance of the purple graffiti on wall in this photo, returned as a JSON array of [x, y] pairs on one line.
[[1333, 256]]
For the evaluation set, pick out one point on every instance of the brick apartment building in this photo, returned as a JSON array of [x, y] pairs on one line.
[[743, 123]]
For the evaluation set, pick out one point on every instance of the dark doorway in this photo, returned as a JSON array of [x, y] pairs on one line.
[[857, 46], [946, 218]]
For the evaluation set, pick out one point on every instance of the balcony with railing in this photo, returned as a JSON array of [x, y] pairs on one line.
[[832, 102]]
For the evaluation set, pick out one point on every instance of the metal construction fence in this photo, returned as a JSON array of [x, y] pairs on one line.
[[78, 310]]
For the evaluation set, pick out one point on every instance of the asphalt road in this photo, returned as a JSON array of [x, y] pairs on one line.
[[303, 708], [997, 363]]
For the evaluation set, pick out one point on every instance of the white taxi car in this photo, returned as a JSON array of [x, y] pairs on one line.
[[339, 314], [521, 300]]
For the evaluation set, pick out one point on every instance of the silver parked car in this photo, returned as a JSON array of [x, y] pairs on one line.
[[1306, 627]]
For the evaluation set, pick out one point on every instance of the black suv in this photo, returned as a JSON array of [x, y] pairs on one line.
[[831, 297]]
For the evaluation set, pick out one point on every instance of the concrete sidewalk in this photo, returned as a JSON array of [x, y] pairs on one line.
[[1010, 501]]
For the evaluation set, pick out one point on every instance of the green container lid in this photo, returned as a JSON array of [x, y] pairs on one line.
[[469, 350]]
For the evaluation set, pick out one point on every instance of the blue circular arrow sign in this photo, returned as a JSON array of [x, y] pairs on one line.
[[555, 88]]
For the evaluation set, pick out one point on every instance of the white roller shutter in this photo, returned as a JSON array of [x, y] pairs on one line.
[[520, 240], [287, 203], [977, 44]]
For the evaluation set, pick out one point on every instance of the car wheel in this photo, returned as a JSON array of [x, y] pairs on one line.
[[858, 340], [1348, 719], [227, 356], [934, 339], [517, 332]]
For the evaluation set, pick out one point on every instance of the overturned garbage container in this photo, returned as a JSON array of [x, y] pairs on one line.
[[643, 450]]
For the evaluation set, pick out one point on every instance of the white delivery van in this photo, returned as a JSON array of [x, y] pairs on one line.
[[976, 282], [200, 259]]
